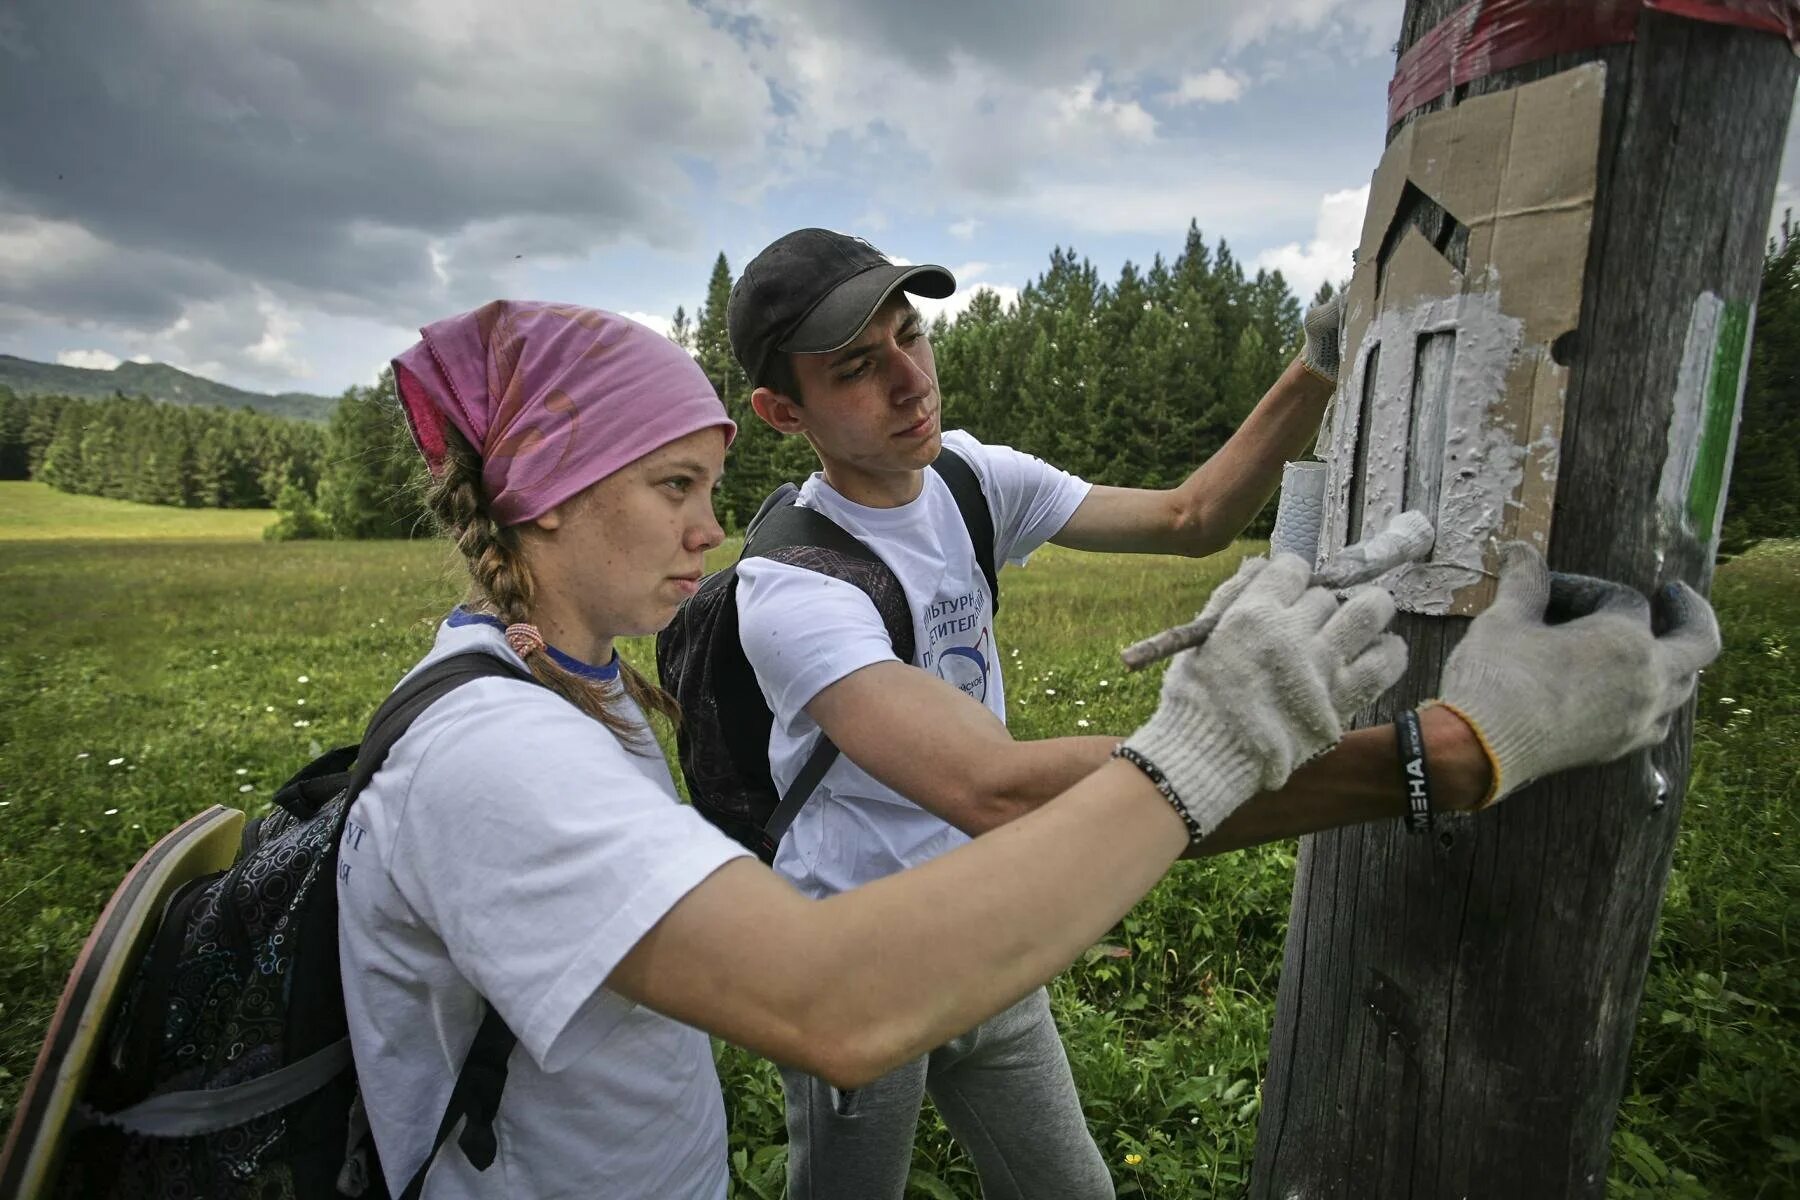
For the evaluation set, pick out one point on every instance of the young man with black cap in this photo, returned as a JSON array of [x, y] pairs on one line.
[[836, 353]]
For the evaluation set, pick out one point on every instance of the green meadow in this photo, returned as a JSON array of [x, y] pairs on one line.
[[155, 661], [37, 512]]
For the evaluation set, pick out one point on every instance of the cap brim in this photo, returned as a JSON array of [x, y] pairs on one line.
[[836, 319]]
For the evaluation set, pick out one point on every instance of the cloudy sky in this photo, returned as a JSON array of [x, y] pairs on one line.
[[278, 194]]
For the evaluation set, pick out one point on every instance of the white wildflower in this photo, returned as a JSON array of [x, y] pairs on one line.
[[111, 812], [113, 762]]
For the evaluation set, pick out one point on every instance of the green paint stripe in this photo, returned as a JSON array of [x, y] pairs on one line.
[[1708, 479]]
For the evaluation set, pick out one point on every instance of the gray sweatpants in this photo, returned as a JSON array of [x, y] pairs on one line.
[[1003, 1088]]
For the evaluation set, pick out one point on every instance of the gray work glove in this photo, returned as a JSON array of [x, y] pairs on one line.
[[1543, 698], [1270, 689], [1324, 331]]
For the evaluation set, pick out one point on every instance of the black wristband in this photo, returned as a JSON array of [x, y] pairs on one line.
[[1150, 769], [1413, 775]]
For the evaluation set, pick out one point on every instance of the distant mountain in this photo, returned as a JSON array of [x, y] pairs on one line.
[[159, 382]]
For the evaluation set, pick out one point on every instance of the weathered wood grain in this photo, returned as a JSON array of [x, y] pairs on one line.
[[1455, 1015]]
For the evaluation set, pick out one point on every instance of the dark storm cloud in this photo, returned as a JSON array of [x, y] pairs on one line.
[[1046, 41], [321, 151]]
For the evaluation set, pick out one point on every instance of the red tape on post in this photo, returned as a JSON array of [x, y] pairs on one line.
[[1486, 36]]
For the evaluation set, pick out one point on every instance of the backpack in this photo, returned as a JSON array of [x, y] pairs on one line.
[[227, 1071], [723, 741]]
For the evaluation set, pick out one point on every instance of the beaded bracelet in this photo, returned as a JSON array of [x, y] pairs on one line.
[[1155, 775]]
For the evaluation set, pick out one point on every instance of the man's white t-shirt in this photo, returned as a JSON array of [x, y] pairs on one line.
[[803, 631], [513, 848]]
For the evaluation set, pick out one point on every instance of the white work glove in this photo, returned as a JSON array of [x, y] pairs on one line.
[[1324, 331], [1270, 689], [1543, 698]]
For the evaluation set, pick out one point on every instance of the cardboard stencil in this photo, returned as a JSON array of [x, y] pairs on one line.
[[1452, 401]]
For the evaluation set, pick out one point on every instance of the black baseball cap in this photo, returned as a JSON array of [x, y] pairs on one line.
[[811, 292]]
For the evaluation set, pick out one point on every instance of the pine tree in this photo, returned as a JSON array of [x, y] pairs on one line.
[[370, 487], [15, 414], [62, 466], [40, 428], [751, 471], [1194, 360], [212, 465], [101, 454], [975, 371], [1127, 429]]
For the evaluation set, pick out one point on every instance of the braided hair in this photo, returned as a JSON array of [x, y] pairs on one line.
[[500, 584]]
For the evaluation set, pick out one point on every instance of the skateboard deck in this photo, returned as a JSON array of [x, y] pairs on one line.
[[201, 845]]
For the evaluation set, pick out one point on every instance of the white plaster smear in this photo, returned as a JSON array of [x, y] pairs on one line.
[[1691, 380], [1483, 461], [1299, 516]]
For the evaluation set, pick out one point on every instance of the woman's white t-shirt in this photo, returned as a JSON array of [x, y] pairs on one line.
[[512, 848]]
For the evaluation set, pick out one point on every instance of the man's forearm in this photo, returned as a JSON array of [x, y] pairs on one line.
[[1359, 780], [1030, 773], [1230, 488]]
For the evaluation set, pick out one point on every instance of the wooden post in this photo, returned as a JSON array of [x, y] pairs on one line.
[[1455, 1015]]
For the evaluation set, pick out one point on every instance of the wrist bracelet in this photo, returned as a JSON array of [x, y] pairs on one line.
[[1155, 775], [1413, 776]]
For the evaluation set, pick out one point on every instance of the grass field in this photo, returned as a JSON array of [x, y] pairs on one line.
[[36, 512], [147, 678]]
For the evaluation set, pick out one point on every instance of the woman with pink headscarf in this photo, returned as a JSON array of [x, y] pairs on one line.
[[523, 846]]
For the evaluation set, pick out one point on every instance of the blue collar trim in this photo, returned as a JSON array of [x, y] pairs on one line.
[[461, 616]]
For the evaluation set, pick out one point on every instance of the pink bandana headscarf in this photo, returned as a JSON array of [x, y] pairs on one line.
[[554, 397]]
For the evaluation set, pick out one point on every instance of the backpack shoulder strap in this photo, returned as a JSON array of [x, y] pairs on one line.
[[410, 699], [479, 1084], [784, 523], [787, 532], [475, 1096], [978, 519]]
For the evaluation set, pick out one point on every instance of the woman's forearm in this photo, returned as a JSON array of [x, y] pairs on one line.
[[927, 954]]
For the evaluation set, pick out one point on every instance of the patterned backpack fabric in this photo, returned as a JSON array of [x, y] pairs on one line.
[[228, 1071], [723, 742]]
